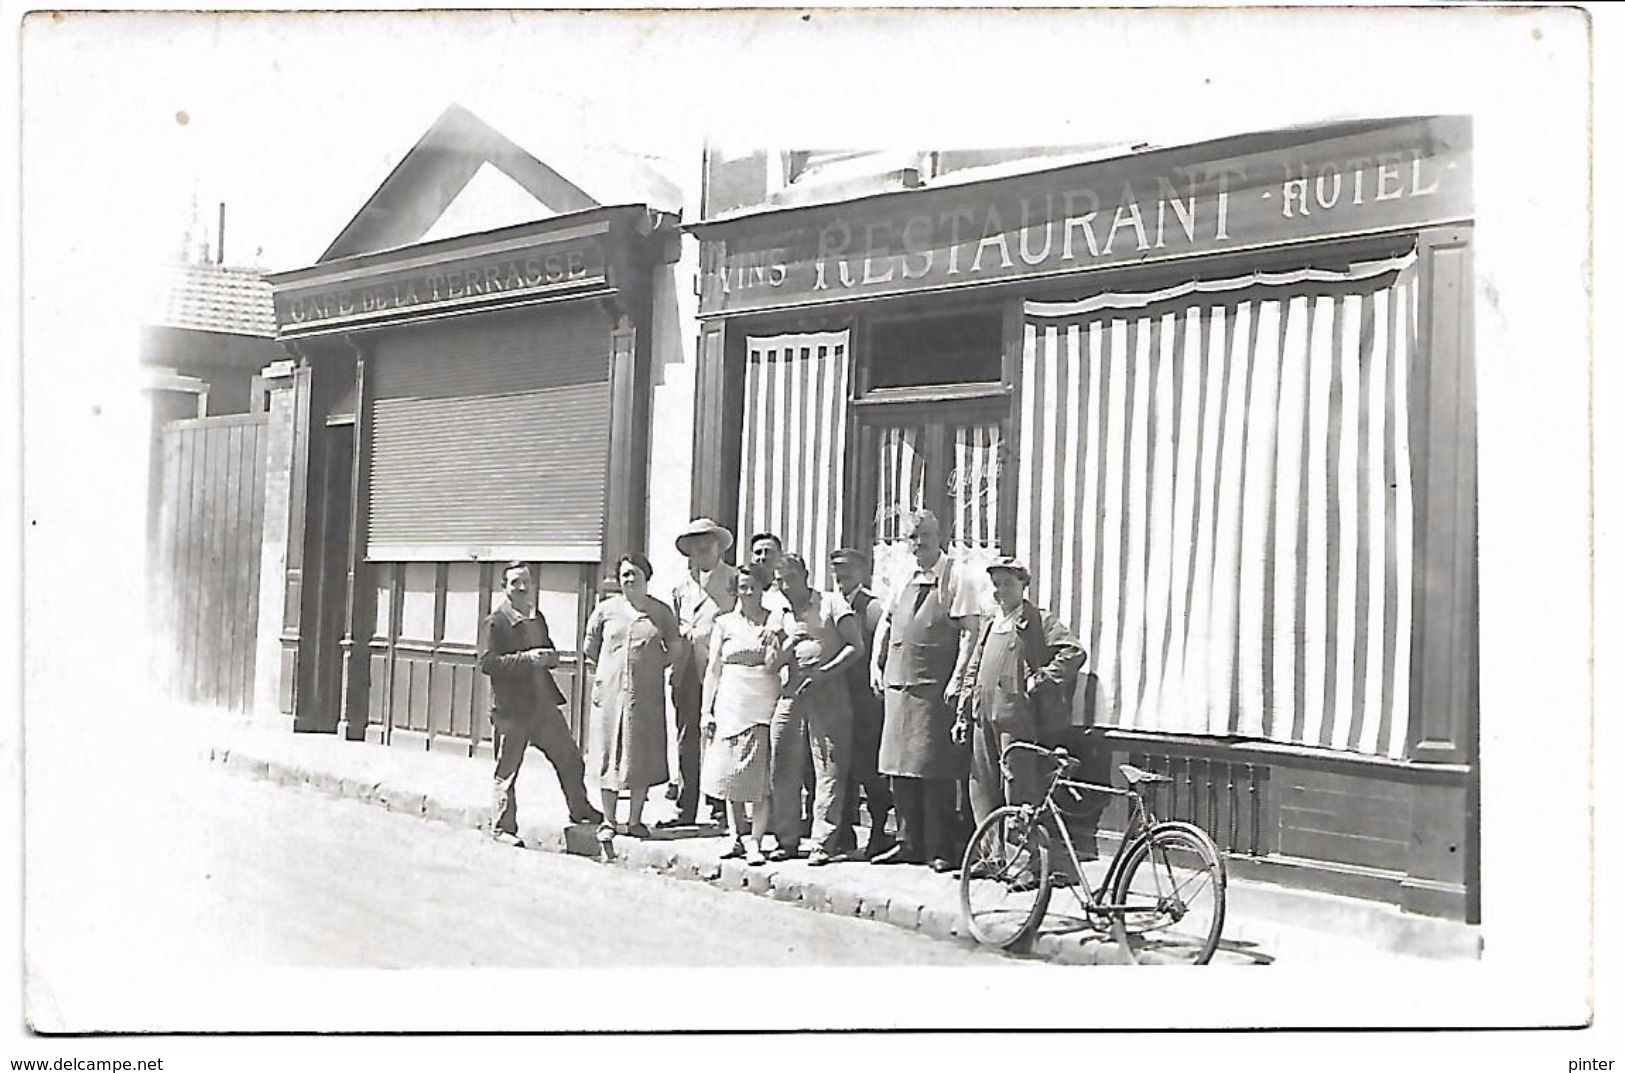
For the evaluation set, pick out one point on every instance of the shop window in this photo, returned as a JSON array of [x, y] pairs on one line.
[[961, 348], [385, 604], [417, 603], [462, 603]]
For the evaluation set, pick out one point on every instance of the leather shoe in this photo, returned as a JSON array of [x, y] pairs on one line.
[[898, 854], [941, 864], [675, 821], [592, 815], [877, 844]]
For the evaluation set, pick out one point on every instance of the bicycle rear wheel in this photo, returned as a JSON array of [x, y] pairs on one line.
[[1004, 882], [1169, 897]]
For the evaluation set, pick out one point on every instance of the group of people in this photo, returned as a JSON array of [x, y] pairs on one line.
[[791, 704]]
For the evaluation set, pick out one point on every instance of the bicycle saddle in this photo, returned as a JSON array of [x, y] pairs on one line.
[[1135, 775]]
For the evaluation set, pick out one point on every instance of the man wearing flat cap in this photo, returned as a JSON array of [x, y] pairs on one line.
[[1017, 687], [698, 599]]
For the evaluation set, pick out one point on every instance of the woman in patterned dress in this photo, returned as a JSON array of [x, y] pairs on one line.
[[630, 639], [741, 688]]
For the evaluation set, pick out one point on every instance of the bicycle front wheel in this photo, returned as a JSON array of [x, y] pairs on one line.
[[1004, 882], [1168, 900]]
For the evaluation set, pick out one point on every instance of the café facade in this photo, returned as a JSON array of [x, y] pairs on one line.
[[1218, 396], [462, 396]]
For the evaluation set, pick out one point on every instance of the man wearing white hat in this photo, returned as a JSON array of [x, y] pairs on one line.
[[698, 599]]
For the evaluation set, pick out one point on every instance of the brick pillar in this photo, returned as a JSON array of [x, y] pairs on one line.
[[268, 663]]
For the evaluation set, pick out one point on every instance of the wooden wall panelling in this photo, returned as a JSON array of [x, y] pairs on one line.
[[625, 500], [229, 629], [208, 537], [710, 378], [1444, 641], [356, 709], [480, 705], [392, 671], [865, 483], [293, 596], [422, 665]]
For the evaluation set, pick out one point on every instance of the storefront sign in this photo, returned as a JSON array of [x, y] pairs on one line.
[[1292, 186], [393, 292]]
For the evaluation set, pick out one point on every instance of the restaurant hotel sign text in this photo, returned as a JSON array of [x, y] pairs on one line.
[[399, 291], [1118, 212]]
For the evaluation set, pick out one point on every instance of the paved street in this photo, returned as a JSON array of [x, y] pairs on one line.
[[270, 875]]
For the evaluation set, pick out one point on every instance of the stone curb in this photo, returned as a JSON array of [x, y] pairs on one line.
[[662, 856]]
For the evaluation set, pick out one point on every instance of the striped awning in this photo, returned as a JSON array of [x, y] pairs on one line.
[[1215, 490], [793, 444]]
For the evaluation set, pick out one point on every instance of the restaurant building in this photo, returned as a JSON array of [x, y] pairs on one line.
[[1220, 398], [476, 351]]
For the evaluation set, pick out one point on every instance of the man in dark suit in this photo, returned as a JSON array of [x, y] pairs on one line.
[[517, 654]]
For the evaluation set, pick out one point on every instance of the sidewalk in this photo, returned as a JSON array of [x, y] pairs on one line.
[[1263, 923]]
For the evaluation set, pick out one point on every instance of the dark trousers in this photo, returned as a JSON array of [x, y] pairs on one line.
[[877, 800], [546, 729], [685, 700], [868, 715], [926, 820]]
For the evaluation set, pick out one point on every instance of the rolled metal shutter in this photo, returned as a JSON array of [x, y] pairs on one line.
[[490, 438]]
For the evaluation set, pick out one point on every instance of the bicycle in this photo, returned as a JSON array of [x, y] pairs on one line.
[[1162, 896]]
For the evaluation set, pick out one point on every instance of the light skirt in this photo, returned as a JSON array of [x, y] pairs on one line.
[[737, 768]]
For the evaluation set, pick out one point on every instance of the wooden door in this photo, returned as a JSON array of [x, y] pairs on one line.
[[946, 458]]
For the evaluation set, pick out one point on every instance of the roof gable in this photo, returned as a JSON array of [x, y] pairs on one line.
[[489, 201], [430, 179]]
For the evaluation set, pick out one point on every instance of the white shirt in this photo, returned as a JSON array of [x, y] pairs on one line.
[[955, 587]]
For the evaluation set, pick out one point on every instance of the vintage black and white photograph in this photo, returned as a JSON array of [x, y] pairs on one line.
[[795, 519]]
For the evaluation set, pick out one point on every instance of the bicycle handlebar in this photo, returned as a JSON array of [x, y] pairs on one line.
[[1064, 760]]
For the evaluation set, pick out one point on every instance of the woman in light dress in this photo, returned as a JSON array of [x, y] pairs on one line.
[[741, 687], [630, 638]]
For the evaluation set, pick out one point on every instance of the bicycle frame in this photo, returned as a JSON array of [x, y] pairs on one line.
[[1142, 820]]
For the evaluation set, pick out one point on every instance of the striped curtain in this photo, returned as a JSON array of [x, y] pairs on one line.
[[973, 503], [901, 492], [794, 443], [1215, 489], [973, 488]]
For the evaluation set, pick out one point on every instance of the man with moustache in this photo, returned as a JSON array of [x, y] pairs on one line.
[[920, 653]]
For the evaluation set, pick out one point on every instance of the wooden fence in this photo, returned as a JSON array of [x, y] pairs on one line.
[[207, 558]]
